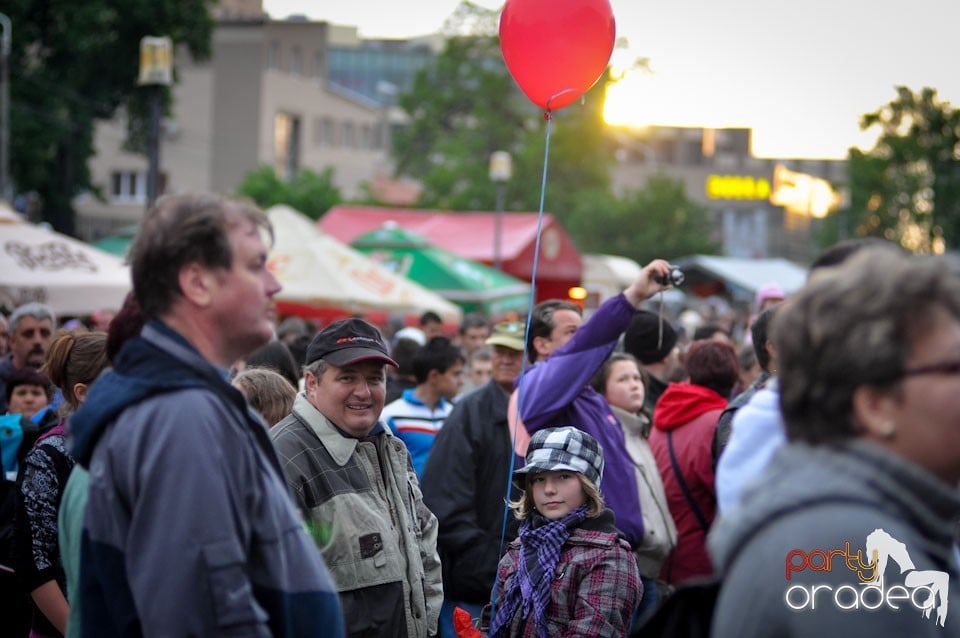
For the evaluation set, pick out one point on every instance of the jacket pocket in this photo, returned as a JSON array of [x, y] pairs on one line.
[[230, 589]]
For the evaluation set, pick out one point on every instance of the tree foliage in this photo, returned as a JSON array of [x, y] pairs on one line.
[[465, 105], [659, 220], [907, 187], [309, 193], [73, 63]]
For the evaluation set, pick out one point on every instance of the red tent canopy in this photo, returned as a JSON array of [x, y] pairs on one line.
[[471, 235]]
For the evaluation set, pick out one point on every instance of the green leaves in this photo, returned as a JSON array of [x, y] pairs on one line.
[[73, 63], [907, 188], [310, 193]]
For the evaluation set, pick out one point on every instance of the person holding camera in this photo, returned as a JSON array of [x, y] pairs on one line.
[[556, 391]]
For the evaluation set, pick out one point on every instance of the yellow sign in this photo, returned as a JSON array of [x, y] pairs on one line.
[[156, 61], [737, 187]]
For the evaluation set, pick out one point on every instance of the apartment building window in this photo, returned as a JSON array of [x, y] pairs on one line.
[[319, 66], [296, 61], [273, 56], [129, 186], [349, 139], [366, 136], [286, 145], [323, 132]]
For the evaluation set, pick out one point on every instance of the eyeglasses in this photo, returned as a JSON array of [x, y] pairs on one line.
[[946, 367]]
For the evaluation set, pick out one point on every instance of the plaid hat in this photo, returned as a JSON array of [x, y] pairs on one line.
[[348, 341], [563, 448], [509, 335], [642, 338]]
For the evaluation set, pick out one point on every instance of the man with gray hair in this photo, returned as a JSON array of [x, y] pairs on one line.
[[30, 331], [189, 528]]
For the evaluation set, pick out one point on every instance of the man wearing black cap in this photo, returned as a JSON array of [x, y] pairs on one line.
[[652, 340], [355, 484]]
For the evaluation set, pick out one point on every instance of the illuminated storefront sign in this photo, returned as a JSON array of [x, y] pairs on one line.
[[737, 187]]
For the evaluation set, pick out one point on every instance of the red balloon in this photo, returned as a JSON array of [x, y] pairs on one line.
[[556, 49]]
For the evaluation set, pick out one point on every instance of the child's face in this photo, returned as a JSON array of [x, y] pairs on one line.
[[556, 494], [625, 386], [27, 400]]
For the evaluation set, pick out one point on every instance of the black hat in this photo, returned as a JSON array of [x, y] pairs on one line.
[[643, 338], [348, 341]]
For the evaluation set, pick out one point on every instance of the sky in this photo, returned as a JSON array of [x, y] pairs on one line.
[[800, 74]]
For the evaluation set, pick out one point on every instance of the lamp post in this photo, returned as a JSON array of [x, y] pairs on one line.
[[501, 168], [156, 72], [5, 38]]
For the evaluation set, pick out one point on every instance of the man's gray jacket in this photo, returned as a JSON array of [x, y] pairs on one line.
[[363, 502]]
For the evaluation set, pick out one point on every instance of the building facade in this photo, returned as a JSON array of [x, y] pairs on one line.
[[263, 98], [720, 172]]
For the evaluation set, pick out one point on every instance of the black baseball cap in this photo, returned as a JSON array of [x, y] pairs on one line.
[[348, 341]]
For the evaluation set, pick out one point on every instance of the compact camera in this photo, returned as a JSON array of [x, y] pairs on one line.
[[675, 278]]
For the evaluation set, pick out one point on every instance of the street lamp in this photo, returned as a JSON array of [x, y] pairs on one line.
[[501, 168], [156, 71]]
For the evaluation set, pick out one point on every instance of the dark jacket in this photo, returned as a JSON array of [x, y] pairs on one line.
[[189, 528], [465, 484], [6, 369]]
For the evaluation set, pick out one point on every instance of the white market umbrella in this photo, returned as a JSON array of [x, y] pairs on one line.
[[73, 278], [318, 271]]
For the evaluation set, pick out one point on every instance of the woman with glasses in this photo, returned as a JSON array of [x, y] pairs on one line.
[[851, 530]]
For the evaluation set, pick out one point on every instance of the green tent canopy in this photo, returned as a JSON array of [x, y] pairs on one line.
[[118, 244], [473, 286]]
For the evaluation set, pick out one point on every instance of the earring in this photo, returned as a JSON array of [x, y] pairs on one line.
[[888, 430]]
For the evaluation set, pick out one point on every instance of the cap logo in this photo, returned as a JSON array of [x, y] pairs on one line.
[[352, 339]]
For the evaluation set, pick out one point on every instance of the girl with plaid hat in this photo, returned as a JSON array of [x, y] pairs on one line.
[[570, 572]]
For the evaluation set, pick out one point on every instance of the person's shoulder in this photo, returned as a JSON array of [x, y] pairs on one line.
[[187, 415]]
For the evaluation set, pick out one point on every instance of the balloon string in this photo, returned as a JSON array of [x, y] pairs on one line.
[[555, 96], [523, 365]]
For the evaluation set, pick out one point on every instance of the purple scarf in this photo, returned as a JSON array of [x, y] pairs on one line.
[[540, 544]]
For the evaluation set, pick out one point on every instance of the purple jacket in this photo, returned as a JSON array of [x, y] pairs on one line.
[[556, 392]]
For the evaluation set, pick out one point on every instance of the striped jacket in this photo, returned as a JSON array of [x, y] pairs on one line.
[[364, 503], [595, 588], [417, 424]]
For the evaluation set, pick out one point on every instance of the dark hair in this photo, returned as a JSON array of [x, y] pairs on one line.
[[759, 334], [542, 324], [473, 320], [274, 355], [181, 230], [712, 364], [403, 352], [706, 331], [599, 379], [298, 349], [127, 323], [430, 317], [855, 328], [437, 354], [76, 356], [844, 249], [28, 376]]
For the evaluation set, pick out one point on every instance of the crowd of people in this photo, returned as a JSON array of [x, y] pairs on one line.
[[196, 467]]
